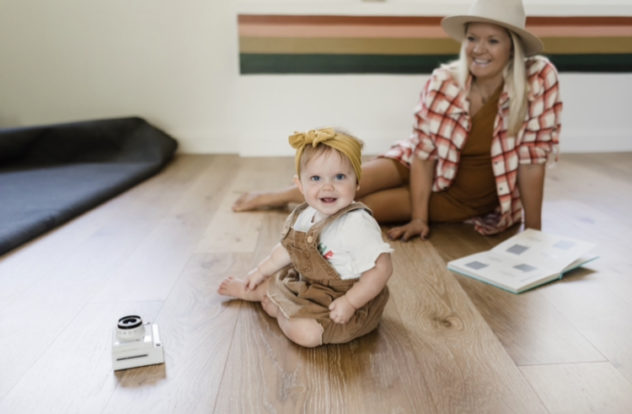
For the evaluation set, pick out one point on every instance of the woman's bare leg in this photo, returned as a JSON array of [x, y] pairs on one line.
[[377, 174], [256, 200], [391, 205], [384, 189]]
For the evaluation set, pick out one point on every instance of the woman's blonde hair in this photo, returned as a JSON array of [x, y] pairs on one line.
[[515, 78]]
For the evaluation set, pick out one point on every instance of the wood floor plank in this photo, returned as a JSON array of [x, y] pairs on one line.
[[57, 286], [74, 373], [581, 388], [601, 317], [374, 374], [530, 328], [18, 273], [238, 232], [464, 364], [196, 328], [446, 343], [151, 270], [608, 232]]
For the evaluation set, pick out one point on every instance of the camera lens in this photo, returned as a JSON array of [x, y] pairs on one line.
[[130, 322], [130, 328]]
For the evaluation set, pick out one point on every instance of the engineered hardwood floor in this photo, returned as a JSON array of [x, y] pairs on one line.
[[447, 344]]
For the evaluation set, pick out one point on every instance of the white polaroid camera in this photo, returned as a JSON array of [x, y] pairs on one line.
[[135, 344]]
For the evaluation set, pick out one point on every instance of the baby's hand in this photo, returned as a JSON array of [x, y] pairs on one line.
[[341, 310], [255, 277]]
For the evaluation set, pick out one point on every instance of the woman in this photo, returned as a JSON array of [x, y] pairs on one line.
[[484, 128]]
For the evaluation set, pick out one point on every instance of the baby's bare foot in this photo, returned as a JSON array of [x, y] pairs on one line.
[[232, 287]]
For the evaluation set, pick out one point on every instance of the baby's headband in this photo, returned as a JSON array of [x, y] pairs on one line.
[[349, 146]]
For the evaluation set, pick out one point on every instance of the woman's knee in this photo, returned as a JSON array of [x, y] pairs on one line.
[[381, 173], [389, 206]]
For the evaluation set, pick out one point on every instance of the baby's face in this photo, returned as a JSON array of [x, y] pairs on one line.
[[328, 182]]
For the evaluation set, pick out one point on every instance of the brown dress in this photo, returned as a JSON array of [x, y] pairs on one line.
[[473, 191], [306, 288]]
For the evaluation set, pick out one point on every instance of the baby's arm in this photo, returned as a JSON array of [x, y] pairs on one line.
[[277, 259], [371, 283]]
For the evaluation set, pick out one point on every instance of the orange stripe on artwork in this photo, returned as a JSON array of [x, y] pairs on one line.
[[581, 31], [366, 31]]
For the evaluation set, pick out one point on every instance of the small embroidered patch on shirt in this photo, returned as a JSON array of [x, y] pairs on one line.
[[327, 254]]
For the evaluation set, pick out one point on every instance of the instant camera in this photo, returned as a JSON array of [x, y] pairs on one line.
[[135, 344]]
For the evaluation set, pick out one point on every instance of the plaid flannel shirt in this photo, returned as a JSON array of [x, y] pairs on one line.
[[442, 123]]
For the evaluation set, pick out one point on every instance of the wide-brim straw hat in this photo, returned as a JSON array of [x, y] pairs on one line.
[[506, 13]]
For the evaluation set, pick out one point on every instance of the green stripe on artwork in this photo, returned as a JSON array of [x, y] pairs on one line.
[[597, 62], [253, 63]]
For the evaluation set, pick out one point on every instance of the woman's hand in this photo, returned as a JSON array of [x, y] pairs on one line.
[[341, 310], [416, 227]]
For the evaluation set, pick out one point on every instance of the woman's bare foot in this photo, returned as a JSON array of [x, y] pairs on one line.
[[257, 200]]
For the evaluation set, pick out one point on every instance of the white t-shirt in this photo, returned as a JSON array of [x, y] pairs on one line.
[[352, 243]]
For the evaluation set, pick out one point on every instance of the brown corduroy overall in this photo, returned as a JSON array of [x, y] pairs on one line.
[[306, 288]]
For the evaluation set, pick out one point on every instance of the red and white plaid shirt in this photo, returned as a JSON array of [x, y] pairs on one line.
[[442, 123]]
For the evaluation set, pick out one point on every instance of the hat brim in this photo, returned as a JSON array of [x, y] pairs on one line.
[[454, 26]]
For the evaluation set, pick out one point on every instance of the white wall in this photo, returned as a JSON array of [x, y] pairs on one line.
[[176, 64]]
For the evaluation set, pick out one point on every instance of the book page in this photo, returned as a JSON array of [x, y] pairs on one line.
[[524, 260], [503, 270], [543, 250]]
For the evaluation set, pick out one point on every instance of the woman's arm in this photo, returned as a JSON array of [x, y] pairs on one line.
[[541, 144], [370, 284], [421, 176], [276, 260], [531, 187]]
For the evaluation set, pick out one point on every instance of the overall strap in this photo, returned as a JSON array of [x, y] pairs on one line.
[[291, 219], [317, 228]]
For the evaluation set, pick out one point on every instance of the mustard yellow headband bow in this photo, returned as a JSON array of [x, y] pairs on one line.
[[349, 146]]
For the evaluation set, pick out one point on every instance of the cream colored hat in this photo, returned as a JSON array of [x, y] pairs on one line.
[[506, 13]]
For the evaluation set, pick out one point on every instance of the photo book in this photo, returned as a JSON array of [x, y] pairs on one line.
[[527, 260]]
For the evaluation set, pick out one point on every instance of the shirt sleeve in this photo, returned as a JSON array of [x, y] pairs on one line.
[[362, 238], [422, 138], [540, 140]]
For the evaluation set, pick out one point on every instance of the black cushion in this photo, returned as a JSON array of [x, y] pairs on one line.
[[49, 174]]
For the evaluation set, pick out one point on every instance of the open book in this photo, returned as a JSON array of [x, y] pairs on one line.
[[528, 259]]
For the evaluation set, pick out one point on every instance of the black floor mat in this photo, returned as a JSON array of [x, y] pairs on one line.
[[49, 174]]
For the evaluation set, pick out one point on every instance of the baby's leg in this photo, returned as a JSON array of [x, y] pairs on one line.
[[270, 307], [302, 331], [236, 288]]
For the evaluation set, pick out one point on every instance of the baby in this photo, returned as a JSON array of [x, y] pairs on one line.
[[325, 282]]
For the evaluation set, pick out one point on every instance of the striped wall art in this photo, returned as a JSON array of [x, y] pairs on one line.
[[413, 44]]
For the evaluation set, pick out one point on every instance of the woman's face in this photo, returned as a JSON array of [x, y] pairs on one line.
[[488, 49]]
